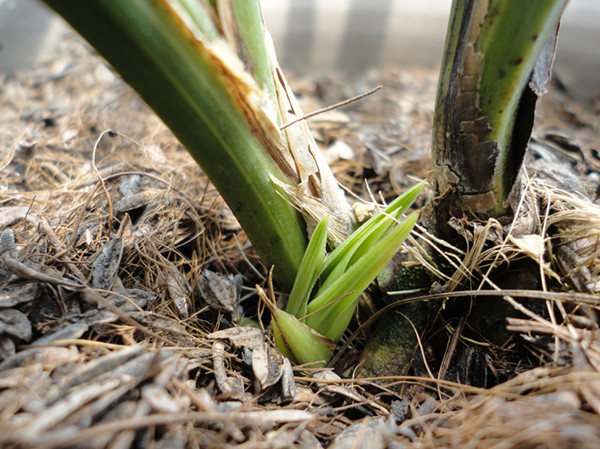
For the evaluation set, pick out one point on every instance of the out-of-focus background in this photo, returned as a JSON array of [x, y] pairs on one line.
[[346, 36]]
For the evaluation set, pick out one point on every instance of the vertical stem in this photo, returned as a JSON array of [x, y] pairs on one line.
[[484, 109], [168, 52]]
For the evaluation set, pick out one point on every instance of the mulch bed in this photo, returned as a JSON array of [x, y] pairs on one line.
[[122, 275]]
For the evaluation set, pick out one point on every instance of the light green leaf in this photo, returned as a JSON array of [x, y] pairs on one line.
[[376, 225], [331, 311], [362, 240], [308, 271]]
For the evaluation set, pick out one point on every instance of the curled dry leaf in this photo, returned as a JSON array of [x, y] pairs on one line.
[[230, 386]]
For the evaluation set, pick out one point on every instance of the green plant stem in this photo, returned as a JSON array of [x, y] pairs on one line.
[[252, 44], [174, 71]]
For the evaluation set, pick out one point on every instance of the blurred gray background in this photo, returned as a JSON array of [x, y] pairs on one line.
[[346, 36]]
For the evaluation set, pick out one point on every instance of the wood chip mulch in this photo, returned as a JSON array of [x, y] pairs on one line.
[[122, 273]]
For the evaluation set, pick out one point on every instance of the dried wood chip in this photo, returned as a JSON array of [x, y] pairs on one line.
[[8, 400], [333, 388], [159, 322], [265, 420], [240, 336], [288, 383], [95, 318], [145, 365], [122, 410], [32, 399], [7, 242], [106, 265], [578, 274], [98, 405], [62, 409], [429, 405], [18, 293], [127, 302], [125, 439], [131, 299], [367, 434], [275, 363], [7, 347], [102, 365], [72, 331], [137, 200], [12, 214], [130, 185], [15, 324], [270, 417], [159, 399], [50, 357], [219, 291], [174, 438], [307, 440], [260, 363], [179, 290], [19, 377], [129, 375], [4, 274]]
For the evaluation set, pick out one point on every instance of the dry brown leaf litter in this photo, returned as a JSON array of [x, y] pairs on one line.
[[120, 275]]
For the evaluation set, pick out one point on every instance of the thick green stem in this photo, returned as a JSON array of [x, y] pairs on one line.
[[484, 110], [168, 52], [252, 49]]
